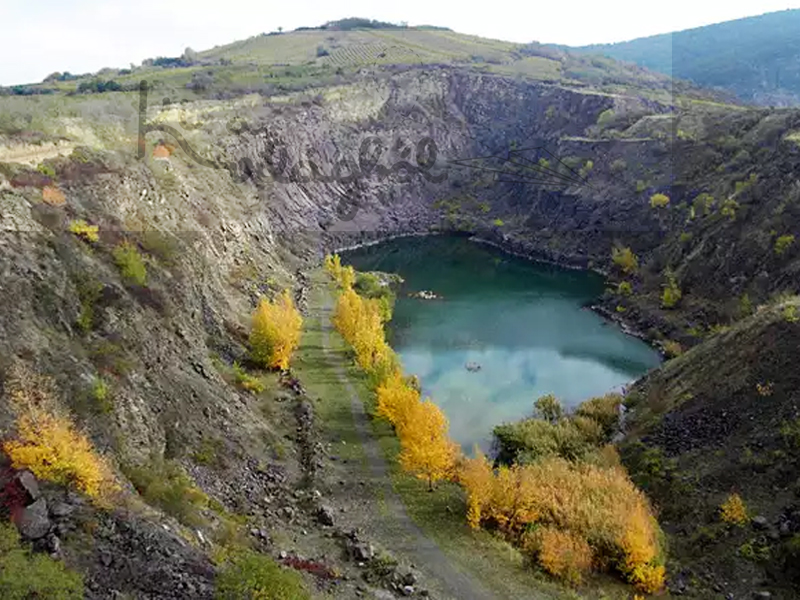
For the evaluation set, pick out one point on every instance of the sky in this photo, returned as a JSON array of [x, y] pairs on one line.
[[40, 37]]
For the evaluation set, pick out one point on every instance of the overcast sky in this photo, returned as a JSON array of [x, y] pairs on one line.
[[42, 36]]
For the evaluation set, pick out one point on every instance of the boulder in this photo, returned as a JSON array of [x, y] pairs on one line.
[[27, 481], [325, 515], [34, 522]]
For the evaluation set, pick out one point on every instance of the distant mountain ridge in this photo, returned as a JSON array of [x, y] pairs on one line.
[[757, 58]]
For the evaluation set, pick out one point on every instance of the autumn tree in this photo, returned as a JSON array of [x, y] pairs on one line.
[[477, 478], [396, 399], [275, 332], [426, 449]]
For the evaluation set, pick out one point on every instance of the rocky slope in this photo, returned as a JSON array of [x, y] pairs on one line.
[[723, 419]]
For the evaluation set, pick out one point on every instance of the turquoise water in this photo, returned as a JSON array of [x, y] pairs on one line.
[[524, 323]]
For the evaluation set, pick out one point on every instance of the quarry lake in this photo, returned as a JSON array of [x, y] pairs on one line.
[[521, 327]]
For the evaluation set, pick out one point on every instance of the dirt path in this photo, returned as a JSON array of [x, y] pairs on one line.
[[409, 538]]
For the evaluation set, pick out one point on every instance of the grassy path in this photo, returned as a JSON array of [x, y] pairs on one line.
[[412, 540]]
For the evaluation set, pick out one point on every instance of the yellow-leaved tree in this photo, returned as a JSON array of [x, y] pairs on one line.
[[477, 478], [426, 449], [347, 314], [275, 332], [396, 399]]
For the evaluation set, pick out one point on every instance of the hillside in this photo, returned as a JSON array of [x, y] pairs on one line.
[[276, 63], [756, 58], [130, 280], [723, 419]]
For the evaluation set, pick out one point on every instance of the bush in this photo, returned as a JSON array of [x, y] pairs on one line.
[[659, 200], [275, 332], [163, 483], [729, 209], [672, 293], [46, 170], [498, 222], [89, 291], [548, 408], [672, 348], [101, 395], [534, 439], [249, 575], [625, 259], [605, 118], [84, 231], [48, 444], [130, 263], [591, 503], [24, 576], [783, 243], [625, 288], [604, 410], [703, 203], [734, 511], [247, 381], [564, 554]]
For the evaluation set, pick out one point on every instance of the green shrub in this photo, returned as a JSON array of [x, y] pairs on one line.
[[605, 118], [672, 293], [703, 203], [531, 440], [604, 410], [130, 263], [548, 408], [46, 170], [498, 222], [672, 348], [790, 314], [89, 291], [625, 259], [659, 200], [247, 381], [551, 433], [745, 306], [625, 288], [249, 575], [783, 243], [163, 483], [26, 576], [754, 551], [101, 395], [729, 208], [209, 453]]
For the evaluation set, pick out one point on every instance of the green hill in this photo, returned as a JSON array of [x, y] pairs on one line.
[[756, 57], [282, 62]]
